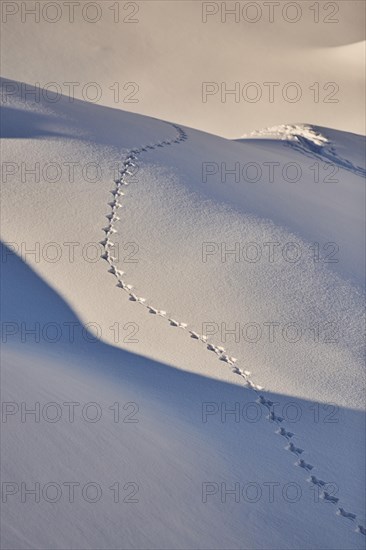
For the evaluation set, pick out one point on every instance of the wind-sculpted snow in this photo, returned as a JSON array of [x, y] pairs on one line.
[[310, 141], [111, 229], [175, 369]]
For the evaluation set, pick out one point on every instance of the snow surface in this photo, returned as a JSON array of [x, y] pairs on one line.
[[170, 210], [111, 54], [290, 132], [324, 144]]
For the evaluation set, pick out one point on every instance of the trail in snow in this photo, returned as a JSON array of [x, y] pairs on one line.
[[121, 183]]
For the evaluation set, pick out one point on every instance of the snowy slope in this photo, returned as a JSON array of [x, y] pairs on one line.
[[322, 143], [177, 210]]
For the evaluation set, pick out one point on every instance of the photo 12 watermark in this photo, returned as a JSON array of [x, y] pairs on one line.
[[271, 492], [71, 332], [70, 252], [245, 12], [271, 172], [270, 92], [251, 412], [70, 492], [270, 252], [52, 412], [272, 331], [73, 12], [53, 92]]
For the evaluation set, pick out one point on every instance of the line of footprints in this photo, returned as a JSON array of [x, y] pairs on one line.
[[128, 168]]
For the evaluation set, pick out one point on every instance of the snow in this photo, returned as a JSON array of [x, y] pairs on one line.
[[290, 132], [112, 54], [176, 363], [311, 140]]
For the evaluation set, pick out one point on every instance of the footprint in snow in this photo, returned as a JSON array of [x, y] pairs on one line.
[[329, 498], [274, 417], [113, 217], [125, 286], [284, 433], [175, 323], [266, 402], [155, 311], [217, 349], [348, 515], [302, 464], [135, 298], [197, 336], [108, 257], [256, 388], [124, 172], [117, 193], [293, 449], [237, 370], [106, 242], [227, 359], [317, 481]]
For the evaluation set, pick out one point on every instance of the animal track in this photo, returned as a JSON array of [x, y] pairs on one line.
[[274, 417], [330, 498], [284, 433], [197, 336], [175, 323], [317, 481], [112, 217], [266, 402], [304, 465], [348, 515], [293, 449]]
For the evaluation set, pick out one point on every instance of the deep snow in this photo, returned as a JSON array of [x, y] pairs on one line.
[[182, 215]]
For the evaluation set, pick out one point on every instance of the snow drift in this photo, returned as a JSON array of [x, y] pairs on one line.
[[233, 271]]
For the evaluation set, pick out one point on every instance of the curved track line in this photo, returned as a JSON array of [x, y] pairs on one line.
[[120, 183]]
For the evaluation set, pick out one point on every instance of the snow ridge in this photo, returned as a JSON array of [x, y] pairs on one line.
[[290, 132], [120, 184]]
